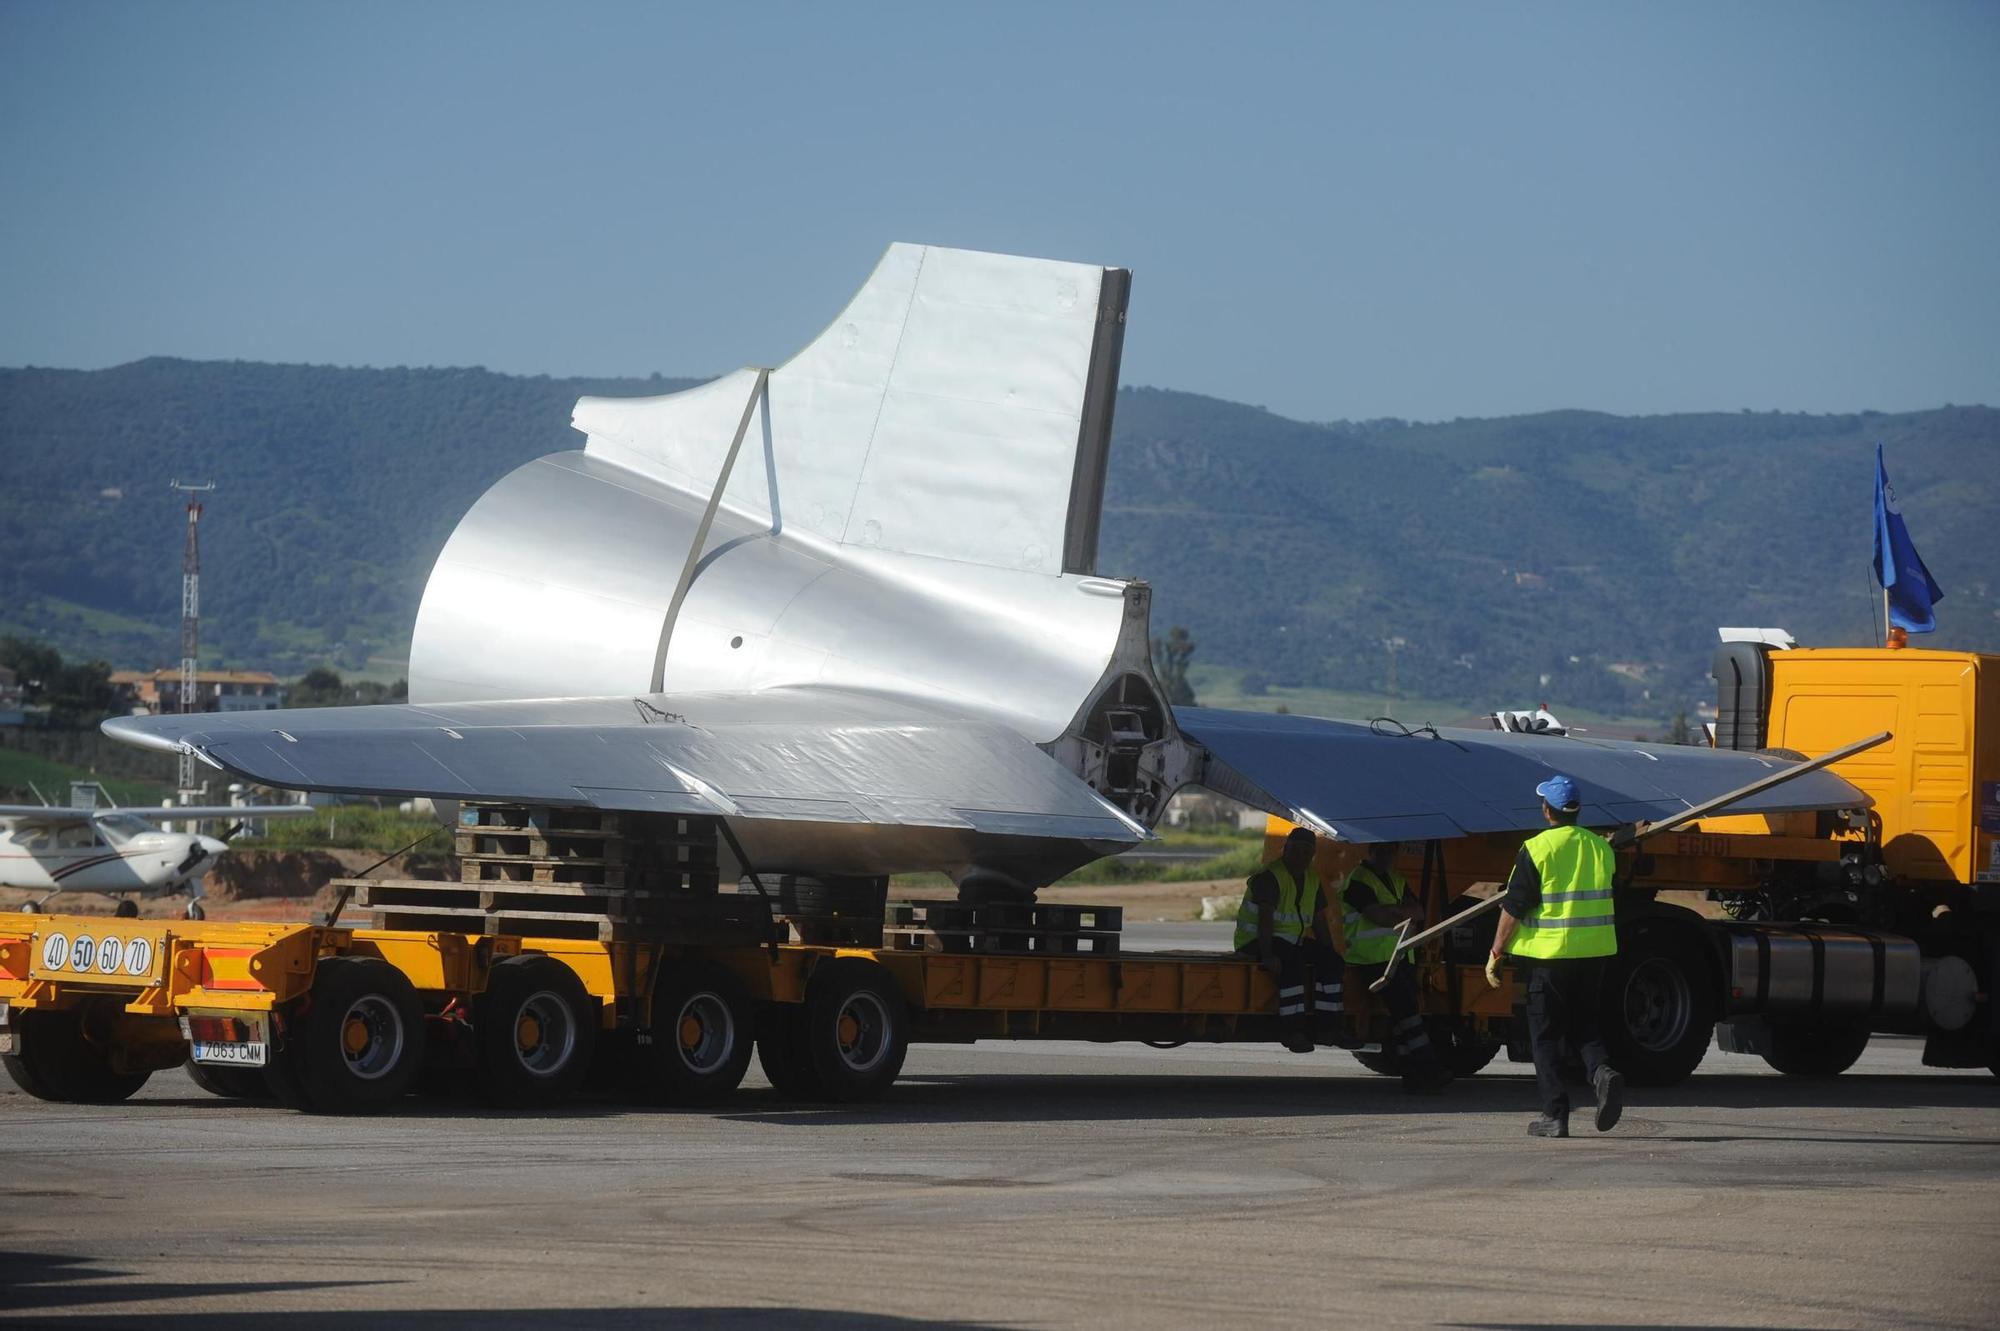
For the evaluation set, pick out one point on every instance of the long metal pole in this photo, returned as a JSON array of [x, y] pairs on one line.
[[659, 682], [190, 624], [1629, 836]]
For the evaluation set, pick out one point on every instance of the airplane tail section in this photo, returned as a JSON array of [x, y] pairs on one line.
[[909, 506]]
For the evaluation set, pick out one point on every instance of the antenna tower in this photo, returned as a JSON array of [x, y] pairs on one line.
[[190, 621]]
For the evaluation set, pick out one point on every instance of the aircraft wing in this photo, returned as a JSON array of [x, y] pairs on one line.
[[824, 763], [43, 815], [178, 811], [1369, 782]]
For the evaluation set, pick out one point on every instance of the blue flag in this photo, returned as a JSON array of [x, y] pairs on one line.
[[1901, 572]]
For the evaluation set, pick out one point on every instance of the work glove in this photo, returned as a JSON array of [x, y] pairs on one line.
[[1493, 970]]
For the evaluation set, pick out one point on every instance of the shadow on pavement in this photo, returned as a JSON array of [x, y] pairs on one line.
[[32, 1280], [985, 1097], [1615, 1326]]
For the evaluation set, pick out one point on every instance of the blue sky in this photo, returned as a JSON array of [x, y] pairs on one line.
[[1330, 210]]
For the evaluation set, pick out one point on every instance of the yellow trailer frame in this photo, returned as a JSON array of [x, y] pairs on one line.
[[159, 972]]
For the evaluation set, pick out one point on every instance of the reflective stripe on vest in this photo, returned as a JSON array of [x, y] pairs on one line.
[[1575, 918], [1370, 944], [1296, 906]]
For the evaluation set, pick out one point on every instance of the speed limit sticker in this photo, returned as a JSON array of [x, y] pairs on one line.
[[106, 955]]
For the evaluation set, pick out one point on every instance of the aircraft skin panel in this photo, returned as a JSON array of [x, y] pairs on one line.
[[1364, 785], [571, 541]]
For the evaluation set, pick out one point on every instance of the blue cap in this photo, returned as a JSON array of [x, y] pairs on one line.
[[1560, 792]]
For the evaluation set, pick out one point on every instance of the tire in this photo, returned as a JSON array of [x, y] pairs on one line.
[[229, 1083], [359, 1045], [781, 1052], [1815, 1048], [536, 1028], [702, 1037], [857, 1030], [195, 912], [1659, 1005], [1378, 1061], [58, 1062], [1463, 1053], [126, 909]]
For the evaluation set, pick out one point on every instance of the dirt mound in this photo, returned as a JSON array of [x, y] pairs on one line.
[[246, 875]]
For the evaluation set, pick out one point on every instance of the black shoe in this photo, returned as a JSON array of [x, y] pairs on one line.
[[1610, 1088], [1300, 1043], [1548, 1126]]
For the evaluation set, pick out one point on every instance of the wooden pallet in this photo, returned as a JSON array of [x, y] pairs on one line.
[[594, 872], [534, 843], [546, 819], [560, 910]]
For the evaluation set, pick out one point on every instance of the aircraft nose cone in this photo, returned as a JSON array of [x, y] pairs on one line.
[[210, 847]]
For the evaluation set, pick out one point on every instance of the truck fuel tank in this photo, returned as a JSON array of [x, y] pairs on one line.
[[1816, 968]]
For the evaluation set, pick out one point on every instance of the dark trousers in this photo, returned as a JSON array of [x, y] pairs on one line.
[[1294, 1003], [1407, 1040], [1563, 997]]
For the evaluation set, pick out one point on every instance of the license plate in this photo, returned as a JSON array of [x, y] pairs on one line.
[[247, 1054]]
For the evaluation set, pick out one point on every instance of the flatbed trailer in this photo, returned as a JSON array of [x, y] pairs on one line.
[[338, 1019]]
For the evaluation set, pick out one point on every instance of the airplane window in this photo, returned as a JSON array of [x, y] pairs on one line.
[[36, 839], [78, 836], [122, 827]]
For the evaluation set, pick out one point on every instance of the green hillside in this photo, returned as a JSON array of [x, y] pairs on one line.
[[1466, 561], [1458, 562], [338, 488]]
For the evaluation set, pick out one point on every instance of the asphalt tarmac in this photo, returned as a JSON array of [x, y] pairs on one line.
[[1017, 1184]]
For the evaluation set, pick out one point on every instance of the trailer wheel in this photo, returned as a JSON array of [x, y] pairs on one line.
[[782, 1053], [229, 1083], [360, 1045], [59, 1062], [857, 1030], [701, 1037], [1658, 1012], [1824, 1048], [537, 1029]]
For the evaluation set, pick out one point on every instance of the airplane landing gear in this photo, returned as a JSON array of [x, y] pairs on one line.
[[195, 912], [126, 909]]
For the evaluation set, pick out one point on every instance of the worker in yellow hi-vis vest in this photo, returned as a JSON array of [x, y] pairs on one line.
[[1281, 925], [1375, 902], [1558, 918]]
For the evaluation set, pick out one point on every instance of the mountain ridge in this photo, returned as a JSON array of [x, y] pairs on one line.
[[1468, 560]]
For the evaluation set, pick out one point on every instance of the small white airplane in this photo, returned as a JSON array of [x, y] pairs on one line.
[[114, 851]]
